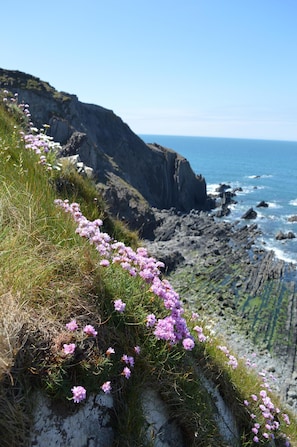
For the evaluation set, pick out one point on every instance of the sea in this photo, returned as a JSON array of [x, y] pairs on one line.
[[265, 170]]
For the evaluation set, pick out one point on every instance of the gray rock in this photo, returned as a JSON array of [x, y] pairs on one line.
[[249, 214], [262, 204], [292, 219]]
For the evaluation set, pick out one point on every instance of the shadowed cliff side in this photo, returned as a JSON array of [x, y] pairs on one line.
[[152, 175]]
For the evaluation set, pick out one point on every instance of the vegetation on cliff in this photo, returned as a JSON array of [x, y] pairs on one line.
[[75, 316]]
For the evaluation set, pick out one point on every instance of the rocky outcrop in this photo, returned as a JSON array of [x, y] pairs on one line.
[[262, 204], [292, 219], [280, 236], [249, 214], [161, 177]]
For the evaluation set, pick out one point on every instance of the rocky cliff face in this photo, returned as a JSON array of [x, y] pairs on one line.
[[153, 175]]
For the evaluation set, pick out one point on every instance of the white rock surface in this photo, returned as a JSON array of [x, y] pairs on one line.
[[89, 426]]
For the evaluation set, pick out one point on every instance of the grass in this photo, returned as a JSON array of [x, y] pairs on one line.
[[50, 275]]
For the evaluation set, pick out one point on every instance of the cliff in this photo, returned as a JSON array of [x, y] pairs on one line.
[[134, 176]]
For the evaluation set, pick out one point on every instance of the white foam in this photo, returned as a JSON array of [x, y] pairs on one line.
[[259, 176], [293, 202], [274, 205], [211, 188], [279, 253]]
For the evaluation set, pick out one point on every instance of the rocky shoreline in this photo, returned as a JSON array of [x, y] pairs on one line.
[[219, 269]]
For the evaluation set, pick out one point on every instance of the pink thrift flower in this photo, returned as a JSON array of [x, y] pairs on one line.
[[286, 418], [256, 439], [194, 316], [69, 349], [119, 305], [72, 326], [104, 263], [151, 320], [126, 372], [90, 330], [79, 393], [254, 397], [110, 351], [246, 403], [263, 394], [137, 350], [188, 344], [106, 387]]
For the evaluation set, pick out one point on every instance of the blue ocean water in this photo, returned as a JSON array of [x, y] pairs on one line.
[[265, 170]]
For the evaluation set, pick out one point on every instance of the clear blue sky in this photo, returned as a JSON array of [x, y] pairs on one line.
[[222, 68]]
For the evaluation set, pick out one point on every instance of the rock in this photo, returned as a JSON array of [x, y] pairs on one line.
[[222, 188], [223, 211], [93, 424], [282, 236], [249, 214], [161, 430], [89, 426], [290, 235], [262, 204], [292, 219]]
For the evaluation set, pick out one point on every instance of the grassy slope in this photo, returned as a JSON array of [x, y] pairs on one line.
[[49, 275]]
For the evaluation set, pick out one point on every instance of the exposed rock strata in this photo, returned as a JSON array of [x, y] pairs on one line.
[[218, 267]]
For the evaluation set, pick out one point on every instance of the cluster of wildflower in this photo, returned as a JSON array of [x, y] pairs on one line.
[[44, 146], [36, 139], [270, 415], [20, 111], [79, 393], [232, 361], [267, 425], [173, 328]]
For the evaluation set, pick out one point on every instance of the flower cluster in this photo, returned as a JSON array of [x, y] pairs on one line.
[[173, 328], [79, 392], [267, 424], [232, 360], [44, 146], [270, 417]]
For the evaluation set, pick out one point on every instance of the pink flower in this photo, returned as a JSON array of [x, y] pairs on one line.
[[126, 372], [106, 387], [256, 439], [110, 351], [188, 344], [150, 320], [104, 263], [72, 326], [90, 330], [119, 305], [128, 360], [79, 393], [286, 418], [137, 350], [254, 397], [69, 349], [246, 403]]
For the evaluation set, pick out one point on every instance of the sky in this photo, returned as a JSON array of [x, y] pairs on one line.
[[217, 68]]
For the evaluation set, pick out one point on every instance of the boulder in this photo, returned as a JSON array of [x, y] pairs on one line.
[[292, 219], [282, 236], [222, 188], [249, 214], [262, 204]]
